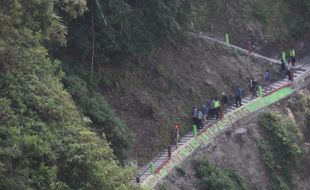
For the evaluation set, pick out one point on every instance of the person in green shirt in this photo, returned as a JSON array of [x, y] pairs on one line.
[[293, 56], [217, 106]]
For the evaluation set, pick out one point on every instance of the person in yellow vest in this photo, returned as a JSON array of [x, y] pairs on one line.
[[293, 56], [217, 106]]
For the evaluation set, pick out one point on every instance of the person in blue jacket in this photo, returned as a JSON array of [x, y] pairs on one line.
[[238, 96], [205, 113]]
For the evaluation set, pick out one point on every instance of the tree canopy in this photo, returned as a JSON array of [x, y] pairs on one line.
[[44, 141]]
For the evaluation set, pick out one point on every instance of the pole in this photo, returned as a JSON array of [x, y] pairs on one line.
[[169, 151], [260, 90], [250, 46], [152, 168], [194, 130], [227, 39], [221, 112], [292, 74], [284, 56]]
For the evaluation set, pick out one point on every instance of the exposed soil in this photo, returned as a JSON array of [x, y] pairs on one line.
[[153, 93]]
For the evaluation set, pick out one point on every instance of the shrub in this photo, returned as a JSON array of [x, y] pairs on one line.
[[259, 11], [215, 178], [103, 117], [280, 150]]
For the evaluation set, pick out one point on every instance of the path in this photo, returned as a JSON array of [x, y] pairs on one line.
[[241, 50]]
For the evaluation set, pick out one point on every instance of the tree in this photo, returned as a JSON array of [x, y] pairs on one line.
[[44, 142]]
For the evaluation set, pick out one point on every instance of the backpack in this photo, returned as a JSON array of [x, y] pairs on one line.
[[267, 76], [239, 92]]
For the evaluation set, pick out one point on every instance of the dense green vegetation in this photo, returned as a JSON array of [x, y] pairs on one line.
[[297, 16], [121, 30], [102, 116], [301, 108], [281, 149], [44, 142], [68, 137], [215, 178], [293, 15]]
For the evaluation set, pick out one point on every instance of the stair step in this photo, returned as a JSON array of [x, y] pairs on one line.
[[247, 98], [245, 101]]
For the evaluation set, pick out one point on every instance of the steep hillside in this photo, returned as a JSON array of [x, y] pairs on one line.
[[154, 93], [87, 86], [152, 80], [271, 26], [268, 150], [45, 142]]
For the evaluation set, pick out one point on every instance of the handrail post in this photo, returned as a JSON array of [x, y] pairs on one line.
[[260, 90], [152, 168], [169, 151], [194, 130], [250, 46], [222, 112], [227, 39], [137, 179], [292, 74], [284, 56]]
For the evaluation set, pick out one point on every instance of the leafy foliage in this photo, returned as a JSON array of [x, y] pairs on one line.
[[297, 16], [281, 150], [44, 143], [124, 28], [103, 118], [212, 177], [259, 11]]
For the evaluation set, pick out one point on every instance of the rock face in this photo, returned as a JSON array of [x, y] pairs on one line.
[[241, 131], [240, 134]]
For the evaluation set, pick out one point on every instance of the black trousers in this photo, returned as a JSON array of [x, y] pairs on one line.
[[293, 61], [217, 113], [238, 101]]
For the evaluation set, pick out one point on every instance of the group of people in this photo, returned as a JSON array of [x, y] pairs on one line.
[[214, 110], [217, 106], [289, 66]]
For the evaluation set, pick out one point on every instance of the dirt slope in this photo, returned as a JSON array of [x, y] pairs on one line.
[[151, 94]]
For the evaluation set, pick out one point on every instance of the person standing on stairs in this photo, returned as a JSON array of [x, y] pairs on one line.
[[200, 119], [292, 56], [211, 108], [290, 72], [224, 100], [238, 96], [176, 135], [282, 65], [267, 78], [195, 116], [217, 106], [254, 89], [205, 113]]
